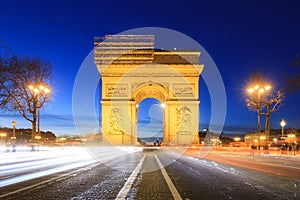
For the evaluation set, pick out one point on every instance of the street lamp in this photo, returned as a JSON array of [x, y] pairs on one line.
[[37, 137], [14, 123], [38, 91], [237, 139], [282, 124], [2, 135], [258, 90], [262, 137], [290, 136]]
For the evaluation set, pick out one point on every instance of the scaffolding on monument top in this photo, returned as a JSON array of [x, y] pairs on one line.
[[138, 49], [124, 49], [125, 41]]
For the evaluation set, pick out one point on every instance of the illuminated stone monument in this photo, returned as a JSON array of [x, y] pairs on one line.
[[132, 70]]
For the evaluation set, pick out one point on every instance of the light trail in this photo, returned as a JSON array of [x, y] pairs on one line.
[[48, 181], [16, 167], [23, 167], [39, 174], [38, 164], [280, 170]]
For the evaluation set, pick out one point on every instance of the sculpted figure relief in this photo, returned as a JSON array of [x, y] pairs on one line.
[[184, 120], [115, 120]]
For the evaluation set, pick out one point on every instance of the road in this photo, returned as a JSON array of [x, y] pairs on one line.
[[149, 173]]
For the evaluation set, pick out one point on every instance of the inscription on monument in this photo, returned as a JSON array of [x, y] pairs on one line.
[[120, 90], [184, 89]]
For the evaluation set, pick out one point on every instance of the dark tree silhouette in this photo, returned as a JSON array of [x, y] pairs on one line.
[[3, 73], [265, 103], [17, 74], [272, 103], [293, 82]]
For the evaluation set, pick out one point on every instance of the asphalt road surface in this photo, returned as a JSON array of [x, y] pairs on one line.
[[152, 173]]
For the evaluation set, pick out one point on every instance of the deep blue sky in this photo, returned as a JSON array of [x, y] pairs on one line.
[[241, 36]]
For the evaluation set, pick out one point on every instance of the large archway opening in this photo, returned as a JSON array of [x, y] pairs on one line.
[[150, 126]]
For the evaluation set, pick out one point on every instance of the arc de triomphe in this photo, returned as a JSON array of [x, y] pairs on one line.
[[132, 70]]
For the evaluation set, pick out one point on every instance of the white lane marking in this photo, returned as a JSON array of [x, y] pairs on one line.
[[50, 180], [126, 188], [170, 184]]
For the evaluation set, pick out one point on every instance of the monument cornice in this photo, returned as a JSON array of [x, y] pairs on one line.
[[151, 70]]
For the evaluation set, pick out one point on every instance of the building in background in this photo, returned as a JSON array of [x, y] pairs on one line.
[[24, 136], [275, 138]]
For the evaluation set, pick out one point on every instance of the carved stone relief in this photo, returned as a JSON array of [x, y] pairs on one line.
[[184, 120], [115, 120]]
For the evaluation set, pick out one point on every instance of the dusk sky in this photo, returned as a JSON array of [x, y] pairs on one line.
[[242, 37]]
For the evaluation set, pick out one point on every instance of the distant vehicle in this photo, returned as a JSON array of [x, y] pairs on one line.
[[157, 143], [148, 144]]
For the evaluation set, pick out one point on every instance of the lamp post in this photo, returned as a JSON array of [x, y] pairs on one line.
[[237, 139], [262, 137], [38, 91], [282, 124], [290, 136], [258, 90], [14, 123], [2, 135]]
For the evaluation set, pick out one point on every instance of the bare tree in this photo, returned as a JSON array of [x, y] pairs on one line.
[[4, 50], [272, 103], [3, 81], [16, 95], [263, 100], [293, 82]]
